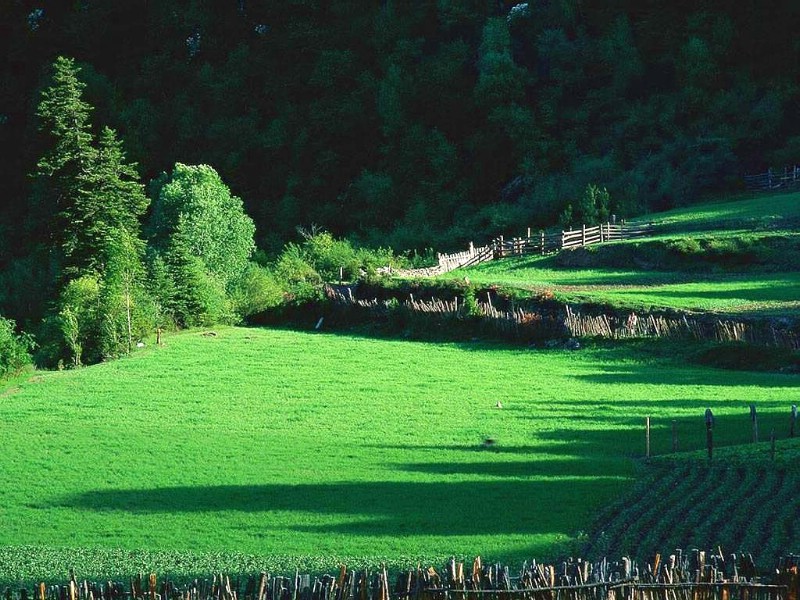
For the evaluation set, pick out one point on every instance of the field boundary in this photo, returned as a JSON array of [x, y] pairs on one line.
[[551, 320], [774, 180], [680, 576], [540, 243]]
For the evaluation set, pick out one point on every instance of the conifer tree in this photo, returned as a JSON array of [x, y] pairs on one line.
[[96, 231], [110, 199], [64, 168]]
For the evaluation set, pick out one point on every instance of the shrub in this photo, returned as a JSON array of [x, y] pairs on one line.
[[299, 279], [327, 255], [15, 349], [256, 291]]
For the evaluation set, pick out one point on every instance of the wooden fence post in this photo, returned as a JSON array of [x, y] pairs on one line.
[[674, 435], [772, 444], [601, 233], [647, 436], [794, 420], [710, 432], [583, 234], [502, 247], [754, 418], [541, 235]]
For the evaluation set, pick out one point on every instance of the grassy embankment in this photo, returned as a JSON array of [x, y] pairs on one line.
[[739, 257], [274, 449]]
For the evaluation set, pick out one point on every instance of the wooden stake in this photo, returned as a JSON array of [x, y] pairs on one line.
[[710, 433], [647, 436], [772, 444], [674, 435]]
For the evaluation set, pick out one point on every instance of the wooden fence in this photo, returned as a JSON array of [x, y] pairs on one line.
[[531, 323], [532, 243], [693, 575], [788, 179]]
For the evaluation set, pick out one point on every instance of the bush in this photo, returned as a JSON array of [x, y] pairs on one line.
[[298, 278], [15, 349], [327, 255], [256, 291]]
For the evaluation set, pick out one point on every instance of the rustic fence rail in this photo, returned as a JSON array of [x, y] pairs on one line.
[[693, 575], [532, 243], [788, 178], [531, 323]]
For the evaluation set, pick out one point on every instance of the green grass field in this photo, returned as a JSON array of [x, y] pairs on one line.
[[759, 211], [305, 449], [748, 294]]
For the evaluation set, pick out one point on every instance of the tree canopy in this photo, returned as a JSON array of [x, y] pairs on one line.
[[413, 123]]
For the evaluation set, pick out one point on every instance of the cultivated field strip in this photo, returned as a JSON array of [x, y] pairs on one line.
[[737, 508]]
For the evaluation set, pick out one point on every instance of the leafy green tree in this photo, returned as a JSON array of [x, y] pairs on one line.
[[127, 310], [79, 318], [15, 349], [592, 208], [199, 298], [195, 213]]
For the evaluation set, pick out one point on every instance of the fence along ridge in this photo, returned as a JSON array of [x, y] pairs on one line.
[[789, 178], [539, 243], [689, 575], [571, 321]]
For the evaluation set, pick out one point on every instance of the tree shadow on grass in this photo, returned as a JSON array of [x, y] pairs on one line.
[[577, 467], [381, 508], [649, 374]]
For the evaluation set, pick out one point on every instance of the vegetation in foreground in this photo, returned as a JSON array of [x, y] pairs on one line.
[[743, 500], [285, 444]]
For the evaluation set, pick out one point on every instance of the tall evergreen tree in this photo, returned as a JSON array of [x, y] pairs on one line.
[[96, 231], [64, 168], [110, 199]]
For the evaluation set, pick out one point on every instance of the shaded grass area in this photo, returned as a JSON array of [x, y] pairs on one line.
[[756, 211], [280, 447]]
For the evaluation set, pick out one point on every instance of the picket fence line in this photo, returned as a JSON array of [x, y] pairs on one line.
[[519, 322], [693, 575], [538, 243], [773, 180]]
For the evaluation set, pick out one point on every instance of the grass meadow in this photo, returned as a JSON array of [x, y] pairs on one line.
[[745, 294], [304, 449]]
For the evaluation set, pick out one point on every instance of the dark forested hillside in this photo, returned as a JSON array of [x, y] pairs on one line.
[[409, 122]]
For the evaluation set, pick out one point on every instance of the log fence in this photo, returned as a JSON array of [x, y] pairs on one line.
[[693, 575], [533, 243], [788, 178], [535, 323]]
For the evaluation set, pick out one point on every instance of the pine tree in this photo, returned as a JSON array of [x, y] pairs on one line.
[[64, 116], [110, 199], [96, 231]]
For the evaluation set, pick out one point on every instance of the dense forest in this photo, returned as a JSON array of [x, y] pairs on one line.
[[402, 124]]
